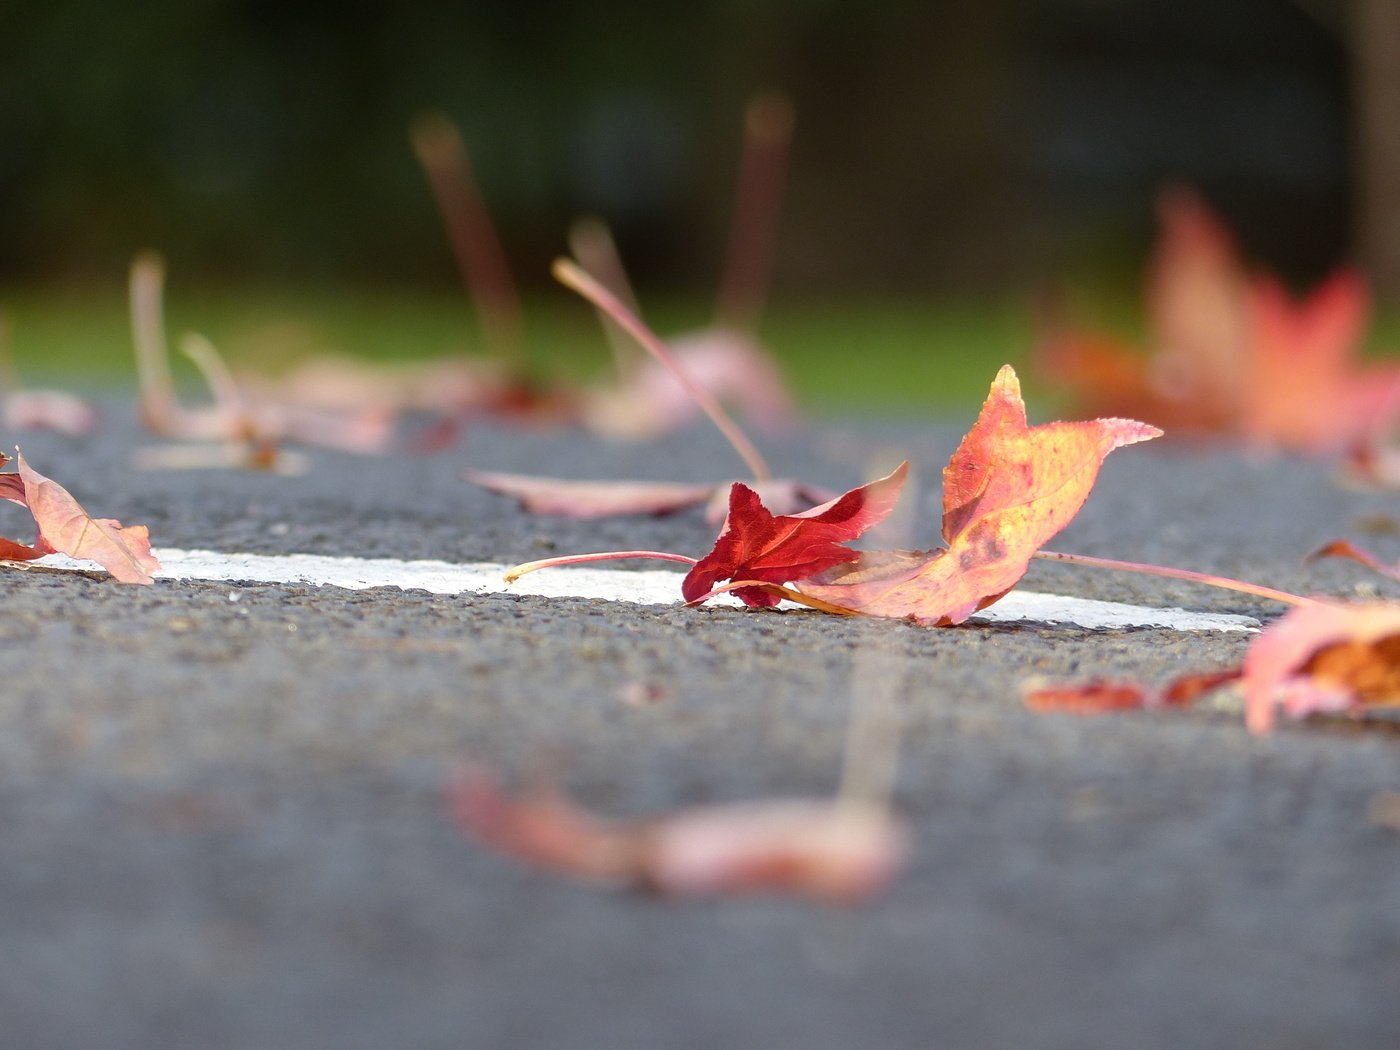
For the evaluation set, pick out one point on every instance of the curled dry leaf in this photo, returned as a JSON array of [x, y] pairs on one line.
[[588, 499], [837, 852], [1319, 657], [1324, 656], [66, 528], [1007, 490]]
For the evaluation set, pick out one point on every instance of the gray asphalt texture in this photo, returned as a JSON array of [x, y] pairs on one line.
[[222, 809]]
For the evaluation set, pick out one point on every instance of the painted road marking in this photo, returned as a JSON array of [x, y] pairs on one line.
[[648, 587]]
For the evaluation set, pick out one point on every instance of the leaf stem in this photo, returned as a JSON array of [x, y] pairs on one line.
[[571, 275], [515, 572], [158, 403], [757, 201], [480, 257], [593, 246], [1223, 582]]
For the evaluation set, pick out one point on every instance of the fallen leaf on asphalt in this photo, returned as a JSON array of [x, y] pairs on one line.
[[1104, 696], [601, 499], [1320, 657], [66, 528], [642, 693], [591, 499], [1088, 698], [830, 851], [731, 366], [756, 544], [1324, 656], [1007, 490]]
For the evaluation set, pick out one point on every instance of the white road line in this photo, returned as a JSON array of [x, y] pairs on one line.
[[650, 587]]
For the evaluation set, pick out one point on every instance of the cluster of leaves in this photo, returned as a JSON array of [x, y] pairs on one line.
[[1235, 356], [340, 403], [1323, 657], [1008, 489], [337, 402], [1232, 354]]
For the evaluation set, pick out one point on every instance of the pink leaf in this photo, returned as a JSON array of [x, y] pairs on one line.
[[829, 851], [591, 499], [1323, 656], [65, 527]]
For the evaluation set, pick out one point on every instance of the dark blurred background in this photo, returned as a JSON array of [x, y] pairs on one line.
[[946, 144]]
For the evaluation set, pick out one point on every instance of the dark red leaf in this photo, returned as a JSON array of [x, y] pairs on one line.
[[756, 544]]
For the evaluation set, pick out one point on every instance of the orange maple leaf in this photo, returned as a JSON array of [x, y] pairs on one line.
[[1007, 490]]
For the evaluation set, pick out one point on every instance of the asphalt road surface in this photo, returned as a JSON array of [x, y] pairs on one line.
[[222, 801]]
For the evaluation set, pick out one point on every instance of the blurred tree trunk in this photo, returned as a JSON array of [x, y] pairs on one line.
[[1376, 99]]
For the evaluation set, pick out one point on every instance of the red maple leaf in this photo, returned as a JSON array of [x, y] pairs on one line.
[[756, 544]]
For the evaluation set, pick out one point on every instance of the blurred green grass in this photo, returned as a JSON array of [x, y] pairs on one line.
[[857, 356], [900, 357]]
